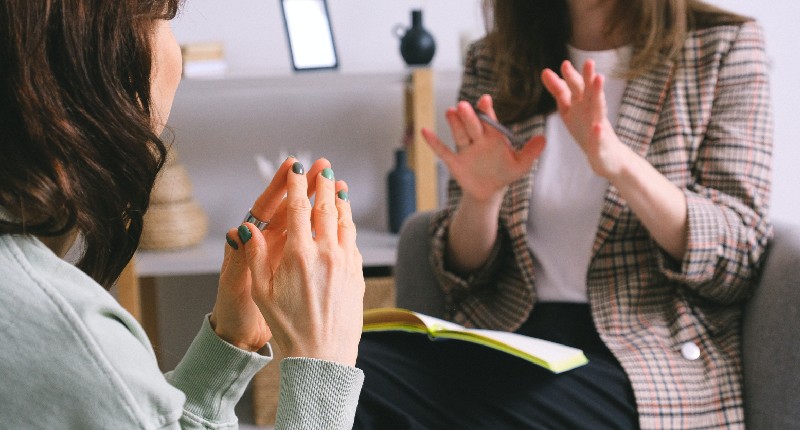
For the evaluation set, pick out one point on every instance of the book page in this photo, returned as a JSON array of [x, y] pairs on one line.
[[546, 350], [435, 324], [550, 355]]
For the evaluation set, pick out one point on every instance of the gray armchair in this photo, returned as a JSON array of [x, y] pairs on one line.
[[771, 326]]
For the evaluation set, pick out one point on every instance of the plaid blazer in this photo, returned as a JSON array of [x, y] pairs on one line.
[[704, 121]]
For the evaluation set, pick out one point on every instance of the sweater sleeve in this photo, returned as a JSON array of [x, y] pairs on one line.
[[213, 375], [317, 394]]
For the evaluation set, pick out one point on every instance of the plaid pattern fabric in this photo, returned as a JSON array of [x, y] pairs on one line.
[[704, 121]]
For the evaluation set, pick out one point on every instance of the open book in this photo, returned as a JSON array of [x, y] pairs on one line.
[[552, 356]]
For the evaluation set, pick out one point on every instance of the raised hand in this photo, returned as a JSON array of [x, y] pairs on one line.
[[235, 317], [310, 287], [582, 105], [484, 163]]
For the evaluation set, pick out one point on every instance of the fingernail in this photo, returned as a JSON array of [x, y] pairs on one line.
[[297, 167], [290, 156], [231, 242], [244, 233], [328, 173], [343, 195]]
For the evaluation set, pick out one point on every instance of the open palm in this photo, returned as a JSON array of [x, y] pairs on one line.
[[484, 162], [582, 106]]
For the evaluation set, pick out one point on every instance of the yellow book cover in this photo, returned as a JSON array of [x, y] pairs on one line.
[[552, 356]]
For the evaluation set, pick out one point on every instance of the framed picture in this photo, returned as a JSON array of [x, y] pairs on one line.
[[308, 29]]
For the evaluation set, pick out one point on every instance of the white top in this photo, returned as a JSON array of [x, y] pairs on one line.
[[567, 196]]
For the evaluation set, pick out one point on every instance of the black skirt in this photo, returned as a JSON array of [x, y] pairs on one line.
[[412, 382]]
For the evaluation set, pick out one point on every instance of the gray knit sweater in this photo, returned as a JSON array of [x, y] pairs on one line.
[[72, 358]]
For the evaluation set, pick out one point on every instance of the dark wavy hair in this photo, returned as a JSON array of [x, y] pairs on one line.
[[78, 149], [526, 36]]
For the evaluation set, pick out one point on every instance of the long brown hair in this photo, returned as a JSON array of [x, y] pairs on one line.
[[78, 148], [526, 36]]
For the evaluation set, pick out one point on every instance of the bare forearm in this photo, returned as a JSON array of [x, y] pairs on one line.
[[472, 233], [658, 203]]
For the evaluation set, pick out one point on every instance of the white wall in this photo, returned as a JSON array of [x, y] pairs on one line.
[[255, 40], [353, 116], [779, 19]]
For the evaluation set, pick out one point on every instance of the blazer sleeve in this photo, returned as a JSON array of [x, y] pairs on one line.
[[454, 284], [728, 199]]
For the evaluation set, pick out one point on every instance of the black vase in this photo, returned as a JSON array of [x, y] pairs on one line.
[[417, 45], [402, 192]]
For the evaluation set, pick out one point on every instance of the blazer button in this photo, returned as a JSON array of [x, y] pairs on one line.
[[690, 351]]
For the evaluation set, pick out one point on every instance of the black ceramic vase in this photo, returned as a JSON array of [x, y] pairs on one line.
[[401, 185], [417, 45]]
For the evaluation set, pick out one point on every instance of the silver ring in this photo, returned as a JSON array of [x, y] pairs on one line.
[[261, 225]]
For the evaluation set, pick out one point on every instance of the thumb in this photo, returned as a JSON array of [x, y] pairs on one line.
[[234, 265], [526, 156], [486, 105], [257, 258]]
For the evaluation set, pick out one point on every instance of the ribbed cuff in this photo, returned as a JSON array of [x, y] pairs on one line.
[[214, 374], [317, 394]]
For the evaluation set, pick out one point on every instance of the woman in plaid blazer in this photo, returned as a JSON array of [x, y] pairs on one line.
[[683, 213]]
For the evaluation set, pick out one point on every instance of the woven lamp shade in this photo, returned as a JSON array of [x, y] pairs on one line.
[[174, 220]]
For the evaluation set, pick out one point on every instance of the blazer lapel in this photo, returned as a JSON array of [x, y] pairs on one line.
[[641, 106]]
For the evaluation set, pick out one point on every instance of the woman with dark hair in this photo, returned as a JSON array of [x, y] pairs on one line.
[[636, 233], [86, 88]]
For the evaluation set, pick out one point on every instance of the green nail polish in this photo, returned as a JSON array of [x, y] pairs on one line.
[[244, 233], [297, 167], [328, 173], [231, 242], [343, 195]]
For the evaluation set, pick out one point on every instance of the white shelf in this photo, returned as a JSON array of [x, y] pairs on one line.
[[377, 248]]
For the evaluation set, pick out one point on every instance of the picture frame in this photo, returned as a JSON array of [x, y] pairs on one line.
[[310, 34]]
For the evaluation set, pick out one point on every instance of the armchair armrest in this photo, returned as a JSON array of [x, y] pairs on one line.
[[771, 345], [416, 285]]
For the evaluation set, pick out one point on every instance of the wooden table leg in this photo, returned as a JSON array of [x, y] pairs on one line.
[[138, 296], [128, 291]]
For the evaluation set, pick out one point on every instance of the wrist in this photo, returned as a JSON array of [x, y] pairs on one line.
[[222, 334], [622, 161], [490, 204]]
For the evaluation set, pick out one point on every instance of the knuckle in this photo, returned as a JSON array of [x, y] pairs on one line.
[[330, 257], [346, 223], [295, 251], [253, 256], [325, 208], [301, 205]]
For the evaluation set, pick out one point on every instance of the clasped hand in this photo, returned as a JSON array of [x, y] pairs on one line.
[[300, 280]]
